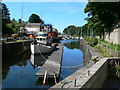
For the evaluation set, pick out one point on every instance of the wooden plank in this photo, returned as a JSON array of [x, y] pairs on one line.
[[45, 77], [53, 63]]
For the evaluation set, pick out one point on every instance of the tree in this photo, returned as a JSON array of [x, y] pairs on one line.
[[20, 20], [9, 26], [5, 12], [72, 30], [102, 16], [6, 20], [35, 19]]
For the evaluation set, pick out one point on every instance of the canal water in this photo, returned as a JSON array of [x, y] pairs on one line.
[[19, 72]]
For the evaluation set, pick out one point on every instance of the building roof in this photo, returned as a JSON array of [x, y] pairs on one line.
[[34, 24]]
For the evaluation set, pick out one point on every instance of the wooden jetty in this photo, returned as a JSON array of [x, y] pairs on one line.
[[51, 67]]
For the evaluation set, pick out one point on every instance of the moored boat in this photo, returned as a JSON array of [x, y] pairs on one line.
[[46, 40], [42, 45]]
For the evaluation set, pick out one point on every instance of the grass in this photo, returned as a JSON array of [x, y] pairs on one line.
[[103, 51], [103, 45], [114, 47], [102, 41]]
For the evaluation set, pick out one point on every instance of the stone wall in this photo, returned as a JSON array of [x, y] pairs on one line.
[[89, 52], [86, 52], [94, 77], [98, 75], [114, 36]]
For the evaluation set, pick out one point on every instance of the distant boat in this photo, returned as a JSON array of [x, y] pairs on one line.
[[42, 44]]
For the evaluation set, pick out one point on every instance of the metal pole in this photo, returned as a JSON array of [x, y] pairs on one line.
[[22, 10]]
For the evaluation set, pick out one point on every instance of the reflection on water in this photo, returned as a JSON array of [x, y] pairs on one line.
[[20, 71], [37, 60], [72, 56], [17, 61], [49, 82], [73, 45]]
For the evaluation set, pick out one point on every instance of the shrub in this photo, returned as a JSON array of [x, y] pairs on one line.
[[93, 42]]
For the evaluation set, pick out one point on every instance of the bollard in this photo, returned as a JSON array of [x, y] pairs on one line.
[[75, 83], [88, 72]]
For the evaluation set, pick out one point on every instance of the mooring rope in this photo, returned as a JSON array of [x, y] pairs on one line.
[[62, 76], [41, 54], [74, 66], [66, 83]]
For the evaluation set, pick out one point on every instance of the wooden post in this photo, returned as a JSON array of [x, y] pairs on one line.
[[88, 72], [45, 77], [75, 83], [55, 77]]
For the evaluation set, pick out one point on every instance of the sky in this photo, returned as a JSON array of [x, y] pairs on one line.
[[59, 14]]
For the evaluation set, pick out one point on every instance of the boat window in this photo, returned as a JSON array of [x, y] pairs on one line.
[[40, 38], [37, 38], [44, 39]]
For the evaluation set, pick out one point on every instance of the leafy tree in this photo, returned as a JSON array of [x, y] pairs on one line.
[[5, 12], [72, 30], [35, 19], [5, 20], [9, 26], [5, 28], [20, 20], [102, 16]]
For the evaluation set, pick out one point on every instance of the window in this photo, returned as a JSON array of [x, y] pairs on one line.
[[40, 38], [37, 38], [43, 39]]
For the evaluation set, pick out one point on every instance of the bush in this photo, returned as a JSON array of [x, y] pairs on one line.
[[93, 42]]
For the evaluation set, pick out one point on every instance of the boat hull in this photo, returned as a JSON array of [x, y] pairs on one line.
[[37, 49]]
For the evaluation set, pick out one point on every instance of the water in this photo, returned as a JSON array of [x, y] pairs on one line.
[[72, 56], [19, 72]]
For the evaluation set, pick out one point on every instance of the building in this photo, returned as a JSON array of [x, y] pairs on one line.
[[33, 27], [37, 27]]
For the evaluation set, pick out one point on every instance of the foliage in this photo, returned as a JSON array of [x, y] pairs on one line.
[[103, 51], [11, 26], [5, 12], [5, 27], [115, 68], [73, 45], [35, 19], [19, 20], [72, 30], [114, 47], [102, 16], [92, 41]]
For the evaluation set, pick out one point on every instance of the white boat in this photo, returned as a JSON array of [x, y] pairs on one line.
[[42, 45]]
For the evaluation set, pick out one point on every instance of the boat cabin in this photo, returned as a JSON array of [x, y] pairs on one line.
[[43, 40]]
